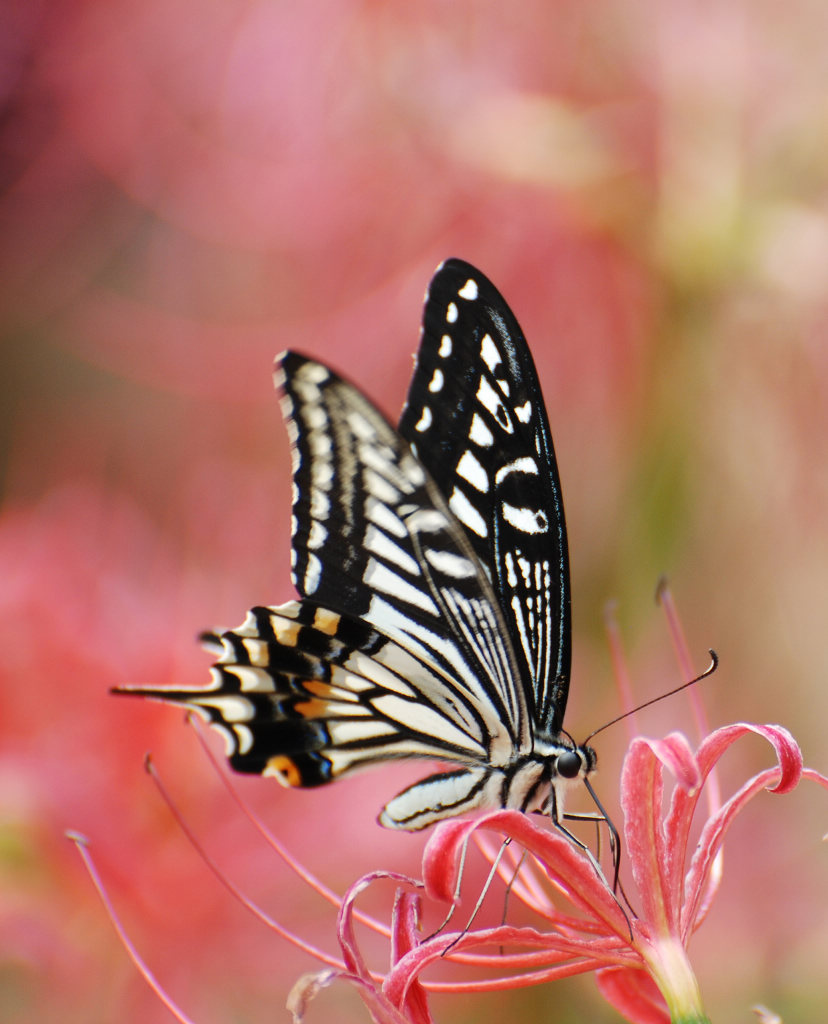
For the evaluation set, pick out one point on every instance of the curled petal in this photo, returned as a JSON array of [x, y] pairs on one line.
[[781, 779], [785, 777], [676, 754], [345, 924], [788, 754], [440, 859], [381, 1009], [710, 842], [809, 773]]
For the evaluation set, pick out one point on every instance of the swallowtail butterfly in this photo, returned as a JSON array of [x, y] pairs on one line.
[[432, 569]]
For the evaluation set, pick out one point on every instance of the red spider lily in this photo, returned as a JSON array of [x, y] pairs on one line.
[[640, 955], [636, 942]]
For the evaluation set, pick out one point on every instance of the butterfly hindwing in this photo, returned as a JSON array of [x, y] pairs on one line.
[[373, 538], [476, 417], [307, 694]]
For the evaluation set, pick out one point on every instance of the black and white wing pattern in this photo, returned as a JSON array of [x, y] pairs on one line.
[[476, 418], [431, 565]]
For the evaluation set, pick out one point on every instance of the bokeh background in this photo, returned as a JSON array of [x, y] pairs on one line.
[[187, 189]]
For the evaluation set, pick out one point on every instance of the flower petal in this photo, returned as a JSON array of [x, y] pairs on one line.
[[549, 956], [650, 859], [567, 866], [781, 779], [309, 985], [382, 1009], [345, 923], [405, 936], [676, 754], [788, 754], [440, 871], [634, 994], [710, 841], [809, 773]]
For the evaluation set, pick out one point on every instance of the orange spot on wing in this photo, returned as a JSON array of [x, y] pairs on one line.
[[284, 769], [316, 687], [313, 708], [326, 621]]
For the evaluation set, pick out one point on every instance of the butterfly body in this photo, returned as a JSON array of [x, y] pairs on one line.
[[432, 569]]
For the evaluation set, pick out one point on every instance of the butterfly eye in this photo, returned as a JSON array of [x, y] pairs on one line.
[[569, 764]]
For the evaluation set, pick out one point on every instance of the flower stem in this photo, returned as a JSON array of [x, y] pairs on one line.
[[674, 976]]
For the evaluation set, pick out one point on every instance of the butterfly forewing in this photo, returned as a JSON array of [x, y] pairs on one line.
[[476, 418]]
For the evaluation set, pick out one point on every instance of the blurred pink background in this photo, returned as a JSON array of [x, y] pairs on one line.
[[189, 188]]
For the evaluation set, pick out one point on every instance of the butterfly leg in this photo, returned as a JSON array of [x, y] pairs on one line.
[[593, 817], [615, 843], [510, 884], [614, 837], [456, 898], [480, 898], [558, 822]]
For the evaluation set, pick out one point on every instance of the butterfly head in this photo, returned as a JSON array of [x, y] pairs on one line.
[[565, 765], [575, 763]]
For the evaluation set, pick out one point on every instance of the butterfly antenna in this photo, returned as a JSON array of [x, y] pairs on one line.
[[711, 668]]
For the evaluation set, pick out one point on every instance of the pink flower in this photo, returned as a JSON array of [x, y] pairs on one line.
[[636, 942], [635, 939], [639, 952]]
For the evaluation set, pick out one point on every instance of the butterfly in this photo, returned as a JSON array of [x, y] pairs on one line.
[[432, 569]]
